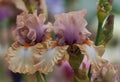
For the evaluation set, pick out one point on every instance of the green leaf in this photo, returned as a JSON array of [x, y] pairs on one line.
[[75, 56], [107, 31]]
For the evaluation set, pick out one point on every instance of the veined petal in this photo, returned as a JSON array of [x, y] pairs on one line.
[[20, 59], [30, 28], [94, 56], [70, 27], [106, 74], [51, 57]]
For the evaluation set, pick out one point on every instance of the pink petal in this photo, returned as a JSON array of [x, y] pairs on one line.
[[72, 26]]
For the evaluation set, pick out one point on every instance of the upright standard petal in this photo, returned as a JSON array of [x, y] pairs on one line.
[[30, 28], [70, 27]]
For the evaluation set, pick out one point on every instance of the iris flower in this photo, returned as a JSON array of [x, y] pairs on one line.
[[70, 29], [33, 51], [30, 28]]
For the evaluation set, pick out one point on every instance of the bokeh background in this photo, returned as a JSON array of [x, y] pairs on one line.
[[9, 11]]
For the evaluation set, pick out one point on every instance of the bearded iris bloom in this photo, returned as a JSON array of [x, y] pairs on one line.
[[33, 47], [70, 29], [30, 28]]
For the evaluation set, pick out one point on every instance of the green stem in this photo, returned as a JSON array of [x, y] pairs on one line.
[[25, 78], [42, 77], [38, 77], [89, 74], [98, 33], [96, 43], [76, 79]]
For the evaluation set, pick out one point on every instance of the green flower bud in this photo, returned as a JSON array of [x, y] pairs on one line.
[[103, 10]]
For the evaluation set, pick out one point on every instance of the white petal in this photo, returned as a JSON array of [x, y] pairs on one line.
[[94, 56], [50, 58], [20, 60]]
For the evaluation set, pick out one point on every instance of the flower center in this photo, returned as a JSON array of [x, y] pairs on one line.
[[26, 45], [88, 42]]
